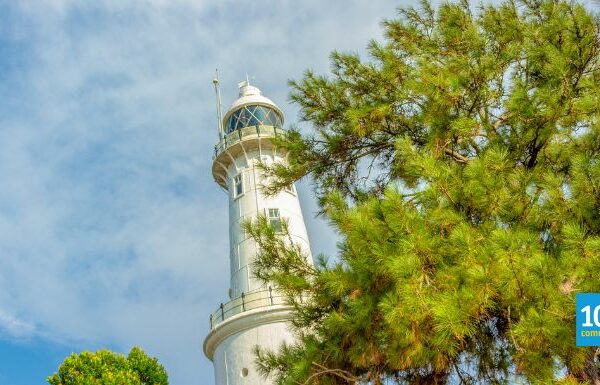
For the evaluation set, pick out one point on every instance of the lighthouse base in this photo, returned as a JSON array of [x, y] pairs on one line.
[[230, 345]]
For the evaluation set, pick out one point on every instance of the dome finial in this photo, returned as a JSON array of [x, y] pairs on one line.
[[246, 89]]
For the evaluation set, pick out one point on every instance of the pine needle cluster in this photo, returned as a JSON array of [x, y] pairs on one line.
[[460, 164]]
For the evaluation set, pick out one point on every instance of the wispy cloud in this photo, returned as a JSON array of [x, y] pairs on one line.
[[15, 327]]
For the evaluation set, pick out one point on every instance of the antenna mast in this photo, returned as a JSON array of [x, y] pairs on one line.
[[219, 111]]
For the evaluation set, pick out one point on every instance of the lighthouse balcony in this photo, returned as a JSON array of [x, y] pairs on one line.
[[246, 302], [246, 133]]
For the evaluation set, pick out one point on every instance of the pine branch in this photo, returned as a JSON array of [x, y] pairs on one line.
[[323, 371], [458, 157]]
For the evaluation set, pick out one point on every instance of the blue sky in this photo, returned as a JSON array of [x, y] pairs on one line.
[[112, 233]]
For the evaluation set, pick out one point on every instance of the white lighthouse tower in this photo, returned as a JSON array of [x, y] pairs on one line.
[[255, 313]]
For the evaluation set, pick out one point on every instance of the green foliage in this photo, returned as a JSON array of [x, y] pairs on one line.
[[461, 167], [107, 368]]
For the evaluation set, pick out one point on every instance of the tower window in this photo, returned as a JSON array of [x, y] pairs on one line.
[[238, 185], [290, 188], [275, 219]]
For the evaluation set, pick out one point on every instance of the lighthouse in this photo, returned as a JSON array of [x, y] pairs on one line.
[[254, 313]]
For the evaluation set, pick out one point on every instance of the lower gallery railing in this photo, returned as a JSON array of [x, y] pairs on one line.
[[248, 301]]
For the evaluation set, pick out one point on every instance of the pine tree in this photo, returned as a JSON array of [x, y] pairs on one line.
[[460, 164]]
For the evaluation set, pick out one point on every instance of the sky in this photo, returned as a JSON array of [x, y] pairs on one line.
[[112, 232]]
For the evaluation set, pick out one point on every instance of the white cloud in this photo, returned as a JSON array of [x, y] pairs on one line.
[[111, 229]]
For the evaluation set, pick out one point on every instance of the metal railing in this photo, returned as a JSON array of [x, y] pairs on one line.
[[247, 301], [239, 135]]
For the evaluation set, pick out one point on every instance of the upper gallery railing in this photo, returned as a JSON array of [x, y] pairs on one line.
[[239, 135]]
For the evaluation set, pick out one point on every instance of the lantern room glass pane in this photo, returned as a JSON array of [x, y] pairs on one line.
[[260, 113], [252, 115]]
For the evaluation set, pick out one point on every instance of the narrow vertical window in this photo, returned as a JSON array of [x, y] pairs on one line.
[[238, 185], [275, 219]]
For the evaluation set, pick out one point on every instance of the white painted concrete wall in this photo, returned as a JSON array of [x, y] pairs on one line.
[[234, 357], [248, 206]]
